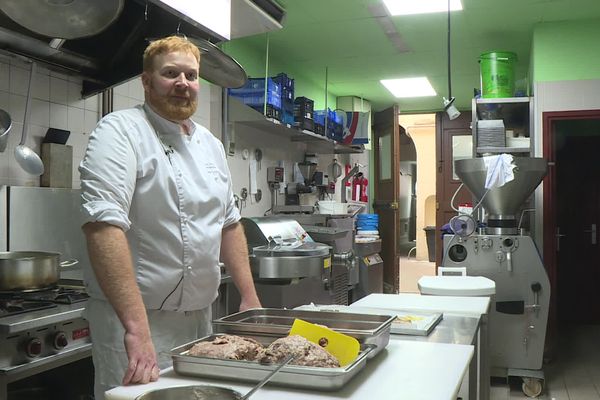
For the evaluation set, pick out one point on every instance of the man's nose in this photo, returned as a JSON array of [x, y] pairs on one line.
[[181, 80]]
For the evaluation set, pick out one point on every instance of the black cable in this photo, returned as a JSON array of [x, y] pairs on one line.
[[448, 50], [172, 291]]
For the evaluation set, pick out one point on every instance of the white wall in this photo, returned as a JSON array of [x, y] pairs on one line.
[[274, 149], [57, 103]]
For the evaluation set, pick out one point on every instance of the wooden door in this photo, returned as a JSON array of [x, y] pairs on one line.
[[453, 141], [578, 216], [553, 242], [386, 144]]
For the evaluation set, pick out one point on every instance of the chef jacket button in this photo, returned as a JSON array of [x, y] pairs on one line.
[[189, 267]]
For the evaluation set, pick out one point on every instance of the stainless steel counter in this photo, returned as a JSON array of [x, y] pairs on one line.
[[451, 329]]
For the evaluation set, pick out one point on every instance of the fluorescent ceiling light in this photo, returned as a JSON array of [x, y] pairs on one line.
[[409, 87], [409, 7]]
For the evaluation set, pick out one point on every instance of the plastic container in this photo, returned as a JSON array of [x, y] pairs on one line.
[[332, 207], [497, 73], [430, 235], [253, 93], [367, 222]]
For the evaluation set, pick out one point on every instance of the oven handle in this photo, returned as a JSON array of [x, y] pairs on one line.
[[46, 363]]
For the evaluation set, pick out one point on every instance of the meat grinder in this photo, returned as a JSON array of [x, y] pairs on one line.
[[501, 252]]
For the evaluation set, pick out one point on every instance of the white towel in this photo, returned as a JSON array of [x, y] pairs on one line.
[[499, 170]]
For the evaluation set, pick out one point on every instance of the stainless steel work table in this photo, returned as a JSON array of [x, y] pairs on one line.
[[455, 329], [460, 306]]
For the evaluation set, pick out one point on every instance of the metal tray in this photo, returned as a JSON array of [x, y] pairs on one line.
[[368, 329], [251, 371]]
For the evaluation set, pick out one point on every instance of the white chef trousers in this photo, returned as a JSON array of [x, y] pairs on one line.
[[169, 329]]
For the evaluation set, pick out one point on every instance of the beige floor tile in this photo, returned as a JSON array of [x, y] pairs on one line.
[[410, 273]]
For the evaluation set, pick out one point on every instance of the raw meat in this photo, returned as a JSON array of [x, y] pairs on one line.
[[228, 347], [305, 352]]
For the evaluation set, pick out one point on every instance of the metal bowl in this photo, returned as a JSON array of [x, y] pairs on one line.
[[196, 392]]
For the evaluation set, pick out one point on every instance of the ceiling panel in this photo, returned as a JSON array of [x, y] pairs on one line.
[[344, 36]]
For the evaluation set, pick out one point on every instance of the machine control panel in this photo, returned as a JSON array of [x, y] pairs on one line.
[[275, 174]]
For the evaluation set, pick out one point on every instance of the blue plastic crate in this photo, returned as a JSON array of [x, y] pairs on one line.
[[253, 93], [335, 129]]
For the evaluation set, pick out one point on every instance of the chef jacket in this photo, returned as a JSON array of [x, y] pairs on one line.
[[172, 195]]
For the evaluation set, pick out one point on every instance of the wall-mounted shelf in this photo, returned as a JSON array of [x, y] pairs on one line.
[[517, 116], [240, 113], [498, 150]]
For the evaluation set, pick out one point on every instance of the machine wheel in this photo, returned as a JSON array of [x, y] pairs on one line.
[[532, 387]]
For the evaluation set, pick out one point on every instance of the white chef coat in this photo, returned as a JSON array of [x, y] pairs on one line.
[[172, 195]]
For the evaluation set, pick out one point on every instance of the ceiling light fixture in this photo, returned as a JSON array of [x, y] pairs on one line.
[[448, 103], [409, 87], [411, 7]]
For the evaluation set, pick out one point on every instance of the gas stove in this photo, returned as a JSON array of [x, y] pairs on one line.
[[13, 303], [40, 331]]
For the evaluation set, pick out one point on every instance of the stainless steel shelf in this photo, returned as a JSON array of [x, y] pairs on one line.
[[244, 115], [503, 150], [503, 100]]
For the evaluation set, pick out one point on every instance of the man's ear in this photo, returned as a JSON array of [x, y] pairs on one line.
[[146, 80]]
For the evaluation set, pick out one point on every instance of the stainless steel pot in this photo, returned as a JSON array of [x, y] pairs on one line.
[[196, 392], [30, 270]]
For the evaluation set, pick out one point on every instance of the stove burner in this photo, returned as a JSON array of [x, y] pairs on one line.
[[18, 306], [59, 295], [12, 303]]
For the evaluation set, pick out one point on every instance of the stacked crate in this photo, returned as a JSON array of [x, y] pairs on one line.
[[287, 97], [304, 113], [335, 129], [253, 94]]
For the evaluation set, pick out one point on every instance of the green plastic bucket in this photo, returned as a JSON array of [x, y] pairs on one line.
[[497, 71]]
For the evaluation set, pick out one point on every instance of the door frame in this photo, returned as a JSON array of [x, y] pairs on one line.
[[390, 266], [549, 205]]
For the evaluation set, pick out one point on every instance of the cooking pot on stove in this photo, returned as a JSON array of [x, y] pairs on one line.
[[197, 392], [30, 270]]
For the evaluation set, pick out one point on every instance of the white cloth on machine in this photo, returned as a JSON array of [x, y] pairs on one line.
[[499, 170]]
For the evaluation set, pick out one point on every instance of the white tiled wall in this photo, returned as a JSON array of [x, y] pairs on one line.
[[57, 103]]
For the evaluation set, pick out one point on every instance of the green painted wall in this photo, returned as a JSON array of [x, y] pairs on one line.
[[251, 54], [566, 51]]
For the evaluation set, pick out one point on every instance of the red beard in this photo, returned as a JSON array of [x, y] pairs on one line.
[[172, 108]]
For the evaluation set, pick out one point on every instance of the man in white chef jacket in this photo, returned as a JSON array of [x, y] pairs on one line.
[[159, 212]]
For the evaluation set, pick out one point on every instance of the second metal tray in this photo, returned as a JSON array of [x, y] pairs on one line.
[[366, 328], [252, 371]]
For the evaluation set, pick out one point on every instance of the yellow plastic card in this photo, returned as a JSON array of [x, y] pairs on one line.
[[343, 347]]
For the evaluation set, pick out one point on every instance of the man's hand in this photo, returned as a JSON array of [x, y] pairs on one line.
[[250, 303], [142, 366], [234, 253]]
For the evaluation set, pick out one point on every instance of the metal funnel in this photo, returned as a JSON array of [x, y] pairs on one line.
[[504, 202], [308, 170]]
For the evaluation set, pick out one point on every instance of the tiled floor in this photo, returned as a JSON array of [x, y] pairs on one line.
[[574, 374]]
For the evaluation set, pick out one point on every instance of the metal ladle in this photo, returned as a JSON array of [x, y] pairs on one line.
[[27, 158]]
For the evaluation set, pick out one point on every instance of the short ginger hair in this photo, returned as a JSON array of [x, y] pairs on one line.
[[166, 45]]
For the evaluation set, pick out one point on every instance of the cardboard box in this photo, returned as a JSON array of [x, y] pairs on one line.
[[58, 165]]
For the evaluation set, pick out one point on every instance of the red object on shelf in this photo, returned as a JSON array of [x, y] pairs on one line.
[[359, 188]]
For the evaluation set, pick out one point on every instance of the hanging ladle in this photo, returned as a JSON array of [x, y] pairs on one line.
[[27, 158]]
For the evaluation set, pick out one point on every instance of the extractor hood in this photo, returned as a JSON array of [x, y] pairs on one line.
[[114, 55]]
